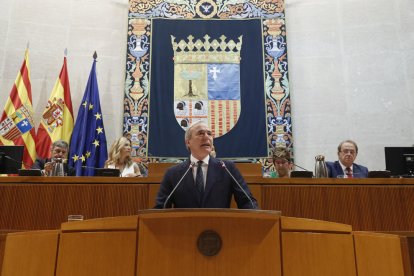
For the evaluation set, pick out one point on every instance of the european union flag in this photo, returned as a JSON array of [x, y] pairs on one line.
[[88, 143]]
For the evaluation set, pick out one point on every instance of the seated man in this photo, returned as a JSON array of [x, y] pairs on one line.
[[282, 162], [345, 167], [203, 181], [59, 153]]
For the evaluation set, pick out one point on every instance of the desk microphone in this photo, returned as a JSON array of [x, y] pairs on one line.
[[179, 182], [238, 184], [290, 162], [3, 155], [299, 166]]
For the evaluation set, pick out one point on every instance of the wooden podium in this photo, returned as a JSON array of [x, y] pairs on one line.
[[198, 242], [168, 243]]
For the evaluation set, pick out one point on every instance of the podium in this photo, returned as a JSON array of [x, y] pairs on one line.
[[198, 242], [169, 243]]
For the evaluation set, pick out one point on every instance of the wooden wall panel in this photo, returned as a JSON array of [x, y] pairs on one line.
[[316, 254], [36, 203], [41, 206], [2, 245], [378, 254], [97, 253], [31, 253], [368, 207]]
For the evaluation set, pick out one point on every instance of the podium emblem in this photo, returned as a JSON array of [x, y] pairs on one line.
[[209, 243]]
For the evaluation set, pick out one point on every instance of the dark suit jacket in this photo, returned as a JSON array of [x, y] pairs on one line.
[[218, 190], [39, 164], [335, 169]]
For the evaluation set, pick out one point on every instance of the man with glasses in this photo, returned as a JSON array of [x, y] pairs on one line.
[[59, 154], [203, 181], [345, 167]]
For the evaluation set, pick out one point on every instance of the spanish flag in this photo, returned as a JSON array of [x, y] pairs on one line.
[[57, 119], [16, 123]]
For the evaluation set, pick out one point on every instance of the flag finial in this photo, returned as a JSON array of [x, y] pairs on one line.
[[28, 44], [65, 52], [95, 55]]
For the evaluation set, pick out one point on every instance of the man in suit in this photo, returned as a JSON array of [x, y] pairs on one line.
[[202, 181], [345, 167], [59, 153]]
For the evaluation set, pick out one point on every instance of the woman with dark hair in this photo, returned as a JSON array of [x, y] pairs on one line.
[[282, 162]]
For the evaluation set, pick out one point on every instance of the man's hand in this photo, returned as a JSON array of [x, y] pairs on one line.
[[48, 168]]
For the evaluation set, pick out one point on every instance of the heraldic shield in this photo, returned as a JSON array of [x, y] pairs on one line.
[[207, 82]]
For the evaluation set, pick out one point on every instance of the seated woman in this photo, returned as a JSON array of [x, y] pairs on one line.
[[120, 158], [282, 162]]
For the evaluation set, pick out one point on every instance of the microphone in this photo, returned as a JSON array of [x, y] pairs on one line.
[[279, 157], [179, 182], [238, 184], [3, 155], [299, 166]]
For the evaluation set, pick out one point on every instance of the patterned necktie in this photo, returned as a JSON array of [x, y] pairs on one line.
[[199, 178], [348, 172]]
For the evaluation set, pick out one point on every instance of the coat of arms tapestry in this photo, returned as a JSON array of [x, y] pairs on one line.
[[223, 62]]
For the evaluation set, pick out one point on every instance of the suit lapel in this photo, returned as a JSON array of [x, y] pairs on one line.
[[356, 171], [212, 176], [338, 168]]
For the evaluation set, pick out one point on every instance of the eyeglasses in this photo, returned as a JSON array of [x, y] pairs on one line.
[[346, 151]]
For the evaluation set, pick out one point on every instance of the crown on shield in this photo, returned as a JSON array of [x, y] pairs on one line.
[[215, 51]]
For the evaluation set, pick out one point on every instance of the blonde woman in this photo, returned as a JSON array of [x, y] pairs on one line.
[[120, 158]]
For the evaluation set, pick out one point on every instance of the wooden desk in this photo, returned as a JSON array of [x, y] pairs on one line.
[[253, 242], [30, 253], [40, 203], [2, 245]]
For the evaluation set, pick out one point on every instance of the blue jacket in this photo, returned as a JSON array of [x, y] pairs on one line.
[[218, 190], [335, 169]]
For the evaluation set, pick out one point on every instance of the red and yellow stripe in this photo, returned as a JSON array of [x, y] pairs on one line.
[[223, 116], [61, 90], [20, 94]]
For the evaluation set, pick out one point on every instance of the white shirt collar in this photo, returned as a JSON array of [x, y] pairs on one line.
[[195, 160], [344, 167]]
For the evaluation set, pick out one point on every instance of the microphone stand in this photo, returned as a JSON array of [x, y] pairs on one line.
[[178, 184], [12, 159], [238, 184]]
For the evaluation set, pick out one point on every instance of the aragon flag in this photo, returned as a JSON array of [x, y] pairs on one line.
[[16, 122], [57, 119]]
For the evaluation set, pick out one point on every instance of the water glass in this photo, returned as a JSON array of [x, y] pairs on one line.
[[75, 217]]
